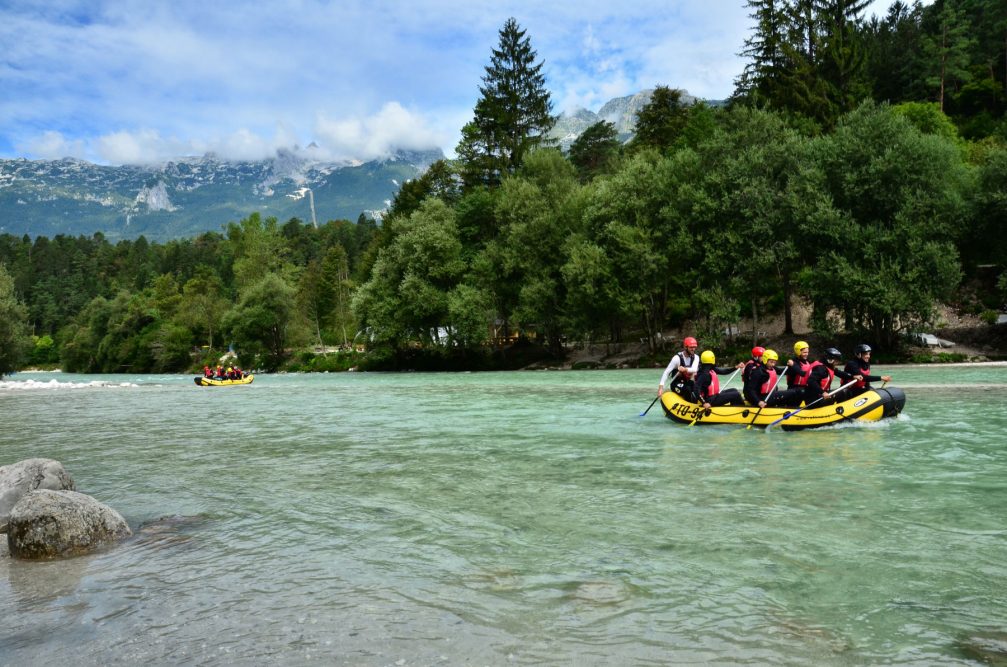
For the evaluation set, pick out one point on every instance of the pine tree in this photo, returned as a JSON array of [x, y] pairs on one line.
[[842, 57], [512, 115], [760, 80], [947, 51]]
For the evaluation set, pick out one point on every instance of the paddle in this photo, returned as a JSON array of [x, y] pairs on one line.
[[765, 400], [817, 400], [649, 407], [730, 378]]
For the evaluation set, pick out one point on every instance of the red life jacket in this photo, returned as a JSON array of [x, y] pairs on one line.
[[799, 380], [865, 370], [770, 383], [714, 387], [827, 381]]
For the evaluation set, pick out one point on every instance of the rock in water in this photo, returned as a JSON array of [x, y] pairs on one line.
[[54, 524], [19, 478]]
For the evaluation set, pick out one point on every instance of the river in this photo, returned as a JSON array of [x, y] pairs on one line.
[[514, 518]]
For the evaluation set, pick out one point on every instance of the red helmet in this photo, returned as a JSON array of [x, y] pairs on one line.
[[758, 351], [690, 342]]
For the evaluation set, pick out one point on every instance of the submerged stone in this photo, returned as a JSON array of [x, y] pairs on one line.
[[989, 648], [57, 524]]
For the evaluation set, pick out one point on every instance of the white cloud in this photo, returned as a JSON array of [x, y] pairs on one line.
[[392, 127], [52, 145]]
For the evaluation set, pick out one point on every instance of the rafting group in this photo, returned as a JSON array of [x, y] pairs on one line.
[[221, 377], [696, 396]]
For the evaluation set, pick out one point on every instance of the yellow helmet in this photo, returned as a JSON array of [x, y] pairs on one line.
[[707, 357], [800, 345], [770, 354]]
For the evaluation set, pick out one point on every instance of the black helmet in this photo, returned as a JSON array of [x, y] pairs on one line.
[[860, 349], [833, 353]]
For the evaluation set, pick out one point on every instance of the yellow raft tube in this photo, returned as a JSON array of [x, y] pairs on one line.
[[871, 406], [210, 382]]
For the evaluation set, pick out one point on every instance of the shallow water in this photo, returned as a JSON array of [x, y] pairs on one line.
[[528, 518]]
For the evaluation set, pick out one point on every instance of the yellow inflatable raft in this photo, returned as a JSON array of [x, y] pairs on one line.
[[210, 382], [870, 406]]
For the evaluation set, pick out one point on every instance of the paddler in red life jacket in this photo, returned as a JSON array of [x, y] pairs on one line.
[[756, 359], [761, 380], [207, 373], [797, 371], [861, 365], [708, 383], [821, 375], [683, 365]]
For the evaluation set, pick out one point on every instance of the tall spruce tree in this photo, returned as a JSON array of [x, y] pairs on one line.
[[947, 52], [842, 55], [512, 115], [760, 81]]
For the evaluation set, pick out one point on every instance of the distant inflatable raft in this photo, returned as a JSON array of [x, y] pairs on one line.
[[871, 406], [210, 382]]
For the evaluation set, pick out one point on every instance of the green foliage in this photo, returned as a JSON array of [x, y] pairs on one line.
[[44, 351], [406, 297], [594, 151], [662, 121], [928, 118], [264, 321], [335, 362], [15, 339], [879, 265]]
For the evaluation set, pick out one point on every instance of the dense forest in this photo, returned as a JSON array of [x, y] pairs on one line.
[[861, 166]]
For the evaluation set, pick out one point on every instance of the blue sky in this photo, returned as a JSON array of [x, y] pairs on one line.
[[131, 81]]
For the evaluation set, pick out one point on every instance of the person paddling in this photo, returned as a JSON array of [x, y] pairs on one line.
[[708, 383], [684, 365], [821, 375], [797, 371], [756, 359], [861, 365], [761, 380]]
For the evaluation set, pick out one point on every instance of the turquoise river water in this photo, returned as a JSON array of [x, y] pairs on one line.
[[526, 518]]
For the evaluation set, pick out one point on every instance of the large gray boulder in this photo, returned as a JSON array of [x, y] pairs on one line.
[[19, 478], [57, 524]]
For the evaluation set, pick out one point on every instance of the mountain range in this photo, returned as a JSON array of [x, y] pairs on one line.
[[186, 197], [620, 111]]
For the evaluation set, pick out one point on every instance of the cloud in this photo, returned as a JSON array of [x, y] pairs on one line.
[[51, 145], [367, 138]]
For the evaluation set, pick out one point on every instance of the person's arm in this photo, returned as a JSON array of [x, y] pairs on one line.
[[672, 365], [726, 370]]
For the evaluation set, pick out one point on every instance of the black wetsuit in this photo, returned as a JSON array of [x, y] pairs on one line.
[[702, 384], [814, 390], [860, 367], [758, 375]]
